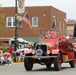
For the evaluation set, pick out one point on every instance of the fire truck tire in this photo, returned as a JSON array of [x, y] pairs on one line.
[[57, 62], [72, 64], [28, 64], [48, 65]]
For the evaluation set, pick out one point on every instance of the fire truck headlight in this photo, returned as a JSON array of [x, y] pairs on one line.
[[48, 51], [33, 51]]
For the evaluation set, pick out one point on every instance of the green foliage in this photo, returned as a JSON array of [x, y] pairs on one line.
[[2, 22], [0, 6], [4, 49], [2, 16]]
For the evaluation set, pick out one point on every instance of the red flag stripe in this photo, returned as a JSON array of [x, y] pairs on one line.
[[26, 19]]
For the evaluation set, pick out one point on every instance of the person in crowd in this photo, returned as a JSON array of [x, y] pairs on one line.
[[14, 56], [5, 62], [47, 34], [1, 52], [1, 56], [60, 37], [10, 49], [22, 56], [7, 59], [1, 60], [67, 36], [17, 56]]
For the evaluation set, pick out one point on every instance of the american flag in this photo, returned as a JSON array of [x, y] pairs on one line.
[[26, 19], [53, 30]]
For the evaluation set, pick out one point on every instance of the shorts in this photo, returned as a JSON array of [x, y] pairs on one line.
[[17, 53]]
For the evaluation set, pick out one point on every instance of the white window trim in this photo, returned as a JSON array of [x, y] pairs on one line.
[[63, 26], [11, 22], [60, 25], [55, 22], [32, 22]]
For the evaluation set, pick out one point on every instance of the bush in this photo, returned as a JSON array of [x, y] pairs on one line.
[[4, 49]]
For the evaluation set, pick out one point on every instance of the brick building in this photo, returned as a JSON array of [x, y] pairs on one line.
[[70, 27], [41, 18]]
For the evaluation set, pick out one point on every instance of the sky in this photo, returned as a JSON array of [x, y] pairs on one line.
[[67, 6]]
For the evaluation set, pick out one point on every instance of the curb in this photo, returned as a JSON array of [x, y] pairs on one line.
[[17, 62]]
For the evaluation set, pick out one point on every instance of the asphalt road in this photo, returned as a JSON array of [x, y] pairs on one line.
[[18, 69]]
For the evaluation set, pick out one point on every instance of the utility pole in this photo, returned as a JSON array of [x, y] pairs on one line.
[[18, 19], [16, 33]]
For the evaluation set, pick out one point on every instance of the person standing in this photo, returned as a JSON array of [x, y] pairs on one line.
[[10, 49]]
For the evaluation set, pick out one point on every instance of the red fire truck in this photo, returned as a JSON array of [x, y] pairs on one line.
[[50, 51]]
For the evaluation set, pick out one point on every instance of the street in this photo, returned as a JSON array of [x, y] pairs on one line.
[[18, 69]]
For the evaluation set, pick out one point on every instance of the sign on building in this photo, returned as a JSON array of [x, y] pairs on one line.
[[21, 6]]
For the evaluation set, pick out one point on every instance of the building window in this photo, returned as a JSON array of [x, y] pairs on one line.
[[34, 21], [13, 21], [10, 21], [60, 25], [63, 26], [55, 22]]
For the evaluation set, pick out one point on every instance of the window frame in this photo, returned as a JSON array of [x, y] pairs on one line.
[[12, 21], [60, 25], [33, 25]]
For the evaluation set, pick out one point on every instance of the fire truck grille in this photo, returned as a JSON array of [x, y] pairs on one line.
[[43, 48]]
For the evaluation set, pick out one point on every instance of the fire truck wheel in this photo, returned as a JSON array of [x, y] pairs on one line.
[[48, 65], [72, 64], [57, 62], [28, 64]]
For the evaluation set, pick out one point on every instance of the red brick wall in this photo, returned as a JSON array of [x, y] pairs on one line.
[[44, 22]]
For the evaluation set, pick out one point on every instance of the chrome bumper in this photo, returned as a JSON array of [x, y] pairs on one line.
[[40, 56]]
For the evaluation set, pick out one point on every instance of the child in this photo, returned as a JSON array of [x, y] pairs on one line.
[[7, 59]]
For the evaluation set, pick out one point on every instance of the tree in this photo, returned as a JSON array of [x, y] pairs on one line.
[[2, 17]]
